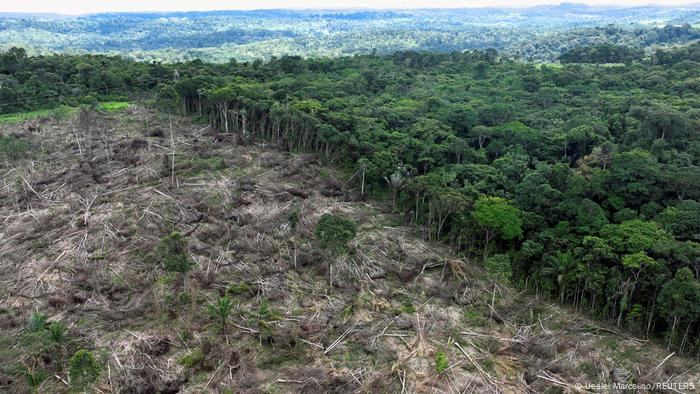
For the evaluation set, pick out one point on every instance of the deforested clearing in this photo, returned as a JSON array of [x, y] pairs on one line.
[[164, 258]]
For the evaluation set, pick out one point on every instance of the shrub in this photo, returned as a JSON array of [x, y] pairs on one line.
[[33, 378], [333, 232], [499, 266], [61, 112], [220, 311], [441, 363], [172, 254], [192, 359], [36, 322], [265, 315], [57, 332], [13, 148], [83, 369]]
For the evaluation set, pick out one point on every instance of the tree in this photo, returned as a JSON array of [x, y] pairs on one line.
[[83, 369], [635, 263], [499, 266], [684, 181], [167, 99], [561, 267], [172, 253], [679, 302], [333, 232], [364, 165], [682, 220], [634, 175], [220, 312], [635, 236], [496, 216], [590, 217], [662, 121]]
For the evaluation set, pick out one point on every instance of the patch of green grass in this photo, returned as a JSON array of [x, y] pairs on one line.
[[441, 363], [193, 166], [487, 364], [171, 253], [191, 359], [22, 116], [113, 106], [18, 117], [475, 318], [295, 355], [240, 288], [98, 256], [166, 279], [407, 306], [13, 148], [629, 353]]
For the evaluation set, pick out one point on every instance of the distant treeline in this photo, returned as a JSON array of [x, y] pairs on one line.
[[539, 34], [606, 53]]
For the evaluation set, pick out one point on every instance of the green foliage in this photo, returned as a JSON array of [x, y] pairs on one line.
[[36, 322], [264, 315], [220, 311], [499, 266], [293, 218], [596, 206], [83, 369], [13, 148], [583, 34], [240, 288], [34, 378], [333, 232], [680, 297], [496, 215], [113, 106], [638, 260], [441, 362], [57, 332], [17, 117], [604, 53], [192, 358], [61, 112], [635, 236], [167, 98], [193, 166], [266, 312], [172, 253], [475, 318]]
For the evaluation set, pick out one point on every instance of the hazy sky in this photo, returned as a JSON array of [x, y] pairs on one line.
[[83, 6]]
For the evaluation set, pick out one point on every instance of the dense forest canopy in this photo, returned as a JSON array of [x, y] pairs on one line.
[[538, 34], [577, 181]]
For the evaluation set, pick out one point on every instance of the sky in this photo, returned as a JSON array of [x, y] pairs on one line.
[[74, 7]]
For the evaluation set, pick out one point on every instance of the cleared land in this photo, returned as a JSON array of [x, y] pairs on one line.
[[85, 210]]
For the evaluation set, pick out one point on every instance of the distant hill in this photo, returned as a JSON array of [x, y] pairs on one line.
[[539, 34]]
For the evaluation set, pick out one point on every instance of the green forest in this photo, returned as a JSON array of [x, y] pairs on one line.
[[577, 181], [536, 34]]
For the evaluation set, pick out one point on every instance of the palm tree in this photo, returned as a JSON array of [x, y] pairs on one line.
[[562, 267], [220, 311]]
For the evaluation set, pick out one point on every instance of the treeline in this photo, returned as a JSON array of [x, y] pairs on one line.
[[28, 83], [576, 182], [689, 53], [605, 53], [539, 34]]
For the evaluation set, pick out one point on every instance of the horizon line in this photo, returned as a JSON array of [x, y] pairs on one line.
[[695, 4]]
